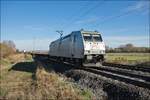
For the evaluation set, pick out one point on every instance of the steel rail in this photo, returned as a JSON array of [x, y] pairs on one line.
[[123, 78], [137, 68], [124, 72]]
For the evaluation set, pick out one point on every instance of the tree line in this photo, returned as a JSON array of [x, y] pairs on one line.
[[8, 47], [127, 48]]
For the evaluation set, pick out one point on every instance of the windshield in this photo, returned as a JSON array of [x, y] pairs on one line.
[[97, 38], [94, 37], [88, 38]]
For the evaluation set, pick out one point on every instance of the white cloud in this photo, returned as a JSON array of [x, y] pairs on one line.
[[119, 30], [139, 6], [88, 20]]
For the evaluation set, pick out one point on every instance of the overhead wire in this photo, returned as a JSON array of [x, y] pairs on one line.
[[74, 14], [113, 17], [83, 14]]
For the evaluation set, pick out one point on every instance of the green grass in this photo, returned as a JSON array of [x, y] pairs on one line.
[[87, 94], [128, 58], [3, 92]]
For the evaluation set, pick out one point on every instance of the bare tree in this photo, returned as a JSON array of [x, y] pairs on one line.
[[10, 44]]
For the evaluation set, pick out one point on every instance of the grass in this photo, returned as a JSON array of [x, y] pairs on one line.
[[17, 82], [128, 58], [52, 86]]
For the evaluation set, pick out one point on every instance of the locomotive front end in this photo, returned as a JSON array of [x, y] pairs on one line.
[[94, 47]]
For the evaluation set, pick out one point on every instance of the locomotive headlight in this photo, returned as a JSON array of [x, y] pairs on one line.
[[87, 51], [102, 51]]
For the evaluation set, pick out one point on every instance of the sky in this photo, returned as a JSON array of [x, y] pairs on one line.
[[32, 25]]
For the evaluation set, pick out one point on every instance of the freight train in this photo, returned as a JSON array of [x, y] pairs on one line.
[[79, 47]]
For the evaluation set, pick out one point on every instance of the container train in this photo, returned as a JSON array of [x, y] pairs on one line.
[[79, 47]]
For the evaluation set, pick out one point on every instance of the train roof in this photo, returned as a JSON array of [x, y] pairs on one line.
[[91, 32], [82, 32], [87, 32]]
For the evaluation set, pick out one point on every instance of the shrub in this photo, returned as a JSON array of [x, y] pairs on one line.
[[5, 50]]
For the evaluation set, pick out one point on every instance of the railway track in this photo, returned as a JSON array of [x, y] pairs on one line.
[[130, 78], [128, 74], [124, 72], [119, 73], [131, 67]]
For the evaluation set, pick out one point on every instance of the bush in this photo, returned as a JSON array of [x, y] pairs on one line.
[[5, 50]]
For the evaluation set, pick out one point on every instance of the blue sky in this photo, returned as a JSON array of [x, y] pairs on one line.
[[33, 24]]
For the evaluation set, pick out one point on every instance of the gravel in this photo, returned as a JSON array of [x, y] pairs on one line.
[[106, 88], [103, 88]]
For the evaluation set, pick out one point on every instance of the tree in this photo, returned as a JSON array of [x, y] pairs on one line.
[[128, 48], [129, 45], [10, 44], [5, 50]]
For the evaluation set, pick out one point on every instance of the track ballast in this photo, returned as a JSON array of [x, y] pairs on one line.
[[120, 74]]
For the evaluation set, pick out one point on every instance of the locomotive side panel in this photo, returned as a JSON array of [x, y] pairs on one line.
[[77, 46], [70, 46], [64, 49], [59, 47], [53, 49]]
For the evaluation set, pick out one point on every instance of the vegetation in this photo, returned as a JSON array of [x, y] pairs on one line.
[[128, 58], [22, 79], [128, 48], [52, 86], [6, 50]]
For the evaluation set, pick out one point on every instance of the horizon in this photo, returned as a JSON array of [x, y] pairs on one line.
[[32, 25]]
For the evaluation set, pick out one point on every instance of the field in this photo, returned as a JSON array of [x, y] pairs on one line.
[[21, 78], [128, 58]]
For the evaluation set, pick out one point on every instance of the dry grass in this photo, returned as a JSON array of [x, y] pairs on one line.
[[6, 50], [19, 58], [52, 86], [41, 85]]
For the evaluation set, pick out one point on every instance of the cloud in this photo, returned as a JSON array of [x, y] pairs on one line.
[[139, 6], [116, 31], [88, 20]]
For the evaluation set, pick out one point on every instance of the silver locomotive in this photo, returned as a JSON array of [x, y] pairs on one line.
[[80, 47]]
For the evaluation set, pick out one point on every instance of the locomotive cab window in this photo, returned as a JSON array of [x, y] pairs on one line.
[[87, 37], [97, 37]]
